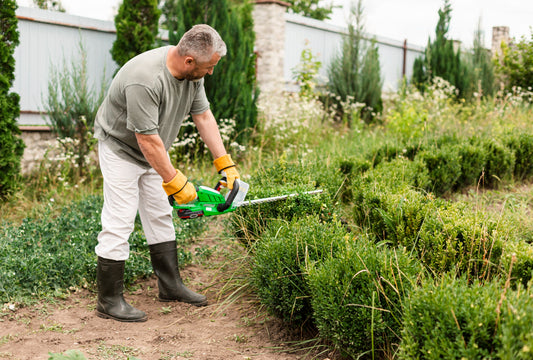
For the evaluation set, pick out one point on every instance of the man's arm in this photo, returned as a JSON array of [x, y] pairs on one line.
[[154, 151], [208, 128]]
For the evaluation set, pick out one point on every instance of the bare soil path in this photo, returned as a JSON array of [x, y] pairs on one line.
[[222, 330]]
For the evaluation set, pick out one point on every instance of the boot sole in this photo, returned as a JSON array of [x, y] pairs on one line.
[[107, 316], [198, 304]]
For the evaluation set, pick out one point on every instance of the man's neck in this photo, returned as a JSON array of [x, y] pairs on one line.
[[173, 63]]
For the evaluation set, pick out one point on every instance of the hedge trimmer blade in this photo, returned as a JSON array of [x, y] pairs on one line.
[[275, 198]]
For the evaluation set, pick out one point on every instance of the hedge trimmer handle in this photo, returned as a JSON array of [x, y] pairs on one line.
[[209, 202], [230, 197]]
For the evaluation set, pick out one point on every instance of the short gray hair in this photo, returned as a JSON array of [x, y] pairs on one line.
[[201, 42]]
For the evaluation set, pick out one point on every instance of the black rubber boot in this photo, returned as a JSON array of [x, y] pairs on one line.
[[111, 303], [171, 288]]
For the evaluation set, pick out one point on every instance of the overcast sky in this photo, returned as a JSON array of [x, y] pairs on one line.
[[414, 20]]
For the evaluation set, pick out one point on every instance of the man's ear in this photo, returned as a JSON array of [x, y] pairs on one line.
[[189, 60]]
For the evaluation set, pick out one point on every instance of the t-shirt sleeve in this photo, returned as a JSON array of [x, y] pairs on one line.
[[200, 104], [142, 109]]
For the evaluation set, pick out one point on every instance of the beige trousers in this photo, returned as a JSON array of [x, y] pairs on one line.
[[129, 188]]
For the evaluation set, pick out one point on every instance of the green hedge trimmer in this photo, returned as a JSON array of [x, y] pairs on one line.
[[211, 202]]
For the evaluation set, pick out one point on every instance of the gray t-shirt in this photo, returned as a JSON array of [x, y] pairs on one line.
[[145, 98]]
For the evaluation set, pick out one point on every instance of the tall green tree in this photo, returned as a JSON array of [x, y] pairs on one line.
[[54, 5], [516, 66], [481, 67], [231, 90], [137, 24], [440, 58], [11, 145], [315, 9], [356, 71]]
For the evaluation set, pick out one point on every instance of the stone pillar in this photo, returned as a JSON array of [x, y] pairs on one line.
[[269, 27], [38, 139], [499, 34]]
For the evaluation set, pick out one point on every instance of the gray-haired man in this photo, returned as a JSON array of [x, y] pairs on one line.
[[136, 124]]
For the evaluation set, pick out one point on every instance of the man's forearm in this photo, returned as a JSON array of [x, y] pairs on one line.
[[208, 128], [154, 151]]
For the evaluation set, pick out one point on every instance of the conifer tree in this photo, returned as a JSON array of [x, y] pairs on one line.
[[12, 146], [481, 67], [231, 89], [440, 58], [137, 25], [356, 71]]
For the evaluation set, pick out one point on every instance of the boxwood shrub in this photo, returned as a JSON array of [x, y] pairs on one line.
[[500, 162], [451, 319], [357, 298], [473, 159], [249, 222], [444, 168], [282, 257], [445, 236], [454, 238], [516, 338], [521, 143]]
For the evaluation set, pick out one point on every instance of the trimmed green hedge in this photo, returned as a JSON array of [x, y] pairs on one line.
[[451, 320], [357, 297], [282, 257], [283, 178], [457, 319], [402, 229]]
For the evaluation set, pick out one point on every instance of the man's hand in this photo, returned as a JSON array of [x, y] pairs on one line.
[[226, 167], [180, 189]]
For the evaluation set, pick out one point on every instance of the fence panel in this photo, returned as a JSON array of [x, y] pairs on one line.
[[49, 40], [325, 42]]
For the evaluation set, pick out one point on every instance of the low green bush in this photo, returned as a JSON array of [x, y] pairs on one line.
[[46, 256], [516, 342], [395, 217], [500, 162], [521, 143], [473, 158], [282, 178], [384, 194], [357, 298], [452, 319], [520, 255], [444, 168], [453, 238], [445, 236], [351, 168], [282, 256]]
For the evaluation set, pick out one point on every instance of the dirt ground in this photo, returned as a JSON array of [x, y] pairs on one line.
[[224, 329]]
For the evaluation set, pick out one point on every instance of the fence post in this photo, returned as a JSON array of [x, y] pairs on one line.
[[499, 34], [269, 27]]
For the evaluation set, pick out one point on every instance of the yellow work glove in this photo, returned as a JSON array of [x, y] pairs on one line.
[[226, 167], [180, 189]]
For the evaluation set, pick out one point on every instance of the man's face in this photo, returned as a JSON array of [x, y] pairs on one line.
[[200, 69]]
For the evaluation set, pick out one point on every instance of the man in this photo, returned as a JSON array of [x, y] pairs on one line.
[[136, 124]]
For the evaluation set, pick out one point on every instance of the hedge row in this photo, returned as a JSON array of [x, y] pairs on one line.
[[455, 319], [389, 200], [451, 163], [360, 287], [318, 274]]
